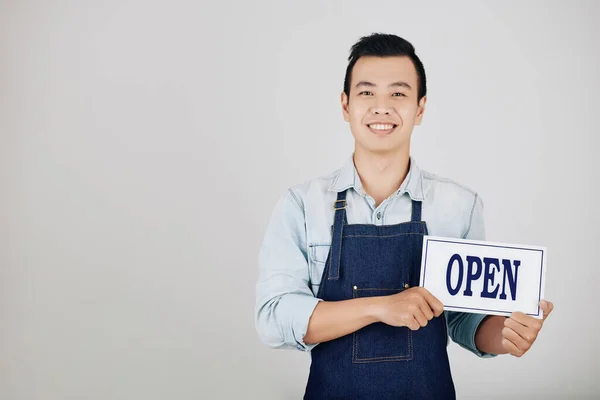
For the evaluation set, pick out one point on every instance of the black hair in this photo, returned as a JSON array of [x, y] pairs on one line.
[[385, 45]]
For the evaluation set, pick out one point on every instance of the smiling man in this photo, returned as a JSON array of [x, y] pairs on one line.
[[340, 260]]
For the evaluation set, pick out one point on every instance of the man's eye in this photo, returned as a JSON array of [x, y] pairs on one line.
[[365, 93], [398, 94]]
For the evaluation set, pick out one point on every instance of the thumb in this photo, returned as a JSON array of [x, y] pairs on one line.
[[546, 307]]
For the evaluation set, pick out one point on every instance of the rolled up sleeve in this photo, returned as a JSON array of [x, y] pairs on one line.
[[284, 301], [462, 327]]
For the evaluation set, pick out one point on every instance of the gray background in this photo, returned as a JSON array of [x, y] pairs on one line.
[[144, 144]]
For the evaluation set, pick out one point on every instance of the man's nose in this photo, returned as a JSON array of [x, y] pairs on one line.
[[381, 107], [381, 110]]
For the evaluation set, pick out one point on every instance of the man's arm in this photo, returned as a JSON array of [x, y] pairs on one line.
[[488, 337], [289, 316], [334, 319], [412, 307], [284, 301]]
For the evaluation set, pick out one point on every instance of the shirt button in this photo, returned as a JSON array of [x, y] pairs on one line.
[[378, 215]]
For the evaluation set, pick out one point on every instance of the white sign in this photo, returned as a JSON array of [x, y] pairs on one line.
[[484, 277]]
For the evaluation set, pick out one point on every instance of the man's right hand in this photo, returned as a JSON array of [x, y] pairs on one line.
[[412, 307]]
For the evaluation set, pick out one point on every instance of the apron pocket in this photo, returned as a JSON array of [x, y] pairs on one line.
[[380, 342]]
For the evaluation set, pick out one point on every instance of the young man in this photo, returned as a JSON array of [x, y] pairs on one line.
[[340, 261]]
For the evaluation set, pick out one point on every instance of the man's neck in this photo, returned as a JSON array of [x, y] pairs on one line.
[[381, 174]]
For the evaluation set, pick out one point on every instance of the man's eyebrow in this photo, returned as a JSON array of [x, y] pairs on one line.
[[365, 83], [394, 84], [400, 84]]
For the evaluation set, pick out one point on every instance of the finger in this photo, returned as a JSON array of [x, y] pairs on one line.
[[436, 306], [515, 325], [546, 307], [426, 310], [526, 333], [412, 324], [521, 344], [511, 348], [418, 315], [526, 320]]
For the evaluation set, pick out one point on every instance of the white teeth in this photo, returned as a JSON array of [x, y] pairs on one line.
[[381, 127]]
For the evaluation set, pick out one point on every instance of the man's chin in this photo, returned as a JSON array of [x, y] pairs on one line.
[[379, 148]]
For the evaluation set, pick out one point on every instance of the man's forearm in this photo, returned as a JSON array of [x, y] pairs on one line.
[[488, 337], [333, 319]]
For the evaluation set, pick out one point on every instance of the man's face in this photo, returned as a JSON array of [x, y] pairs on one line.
[[382, 108]]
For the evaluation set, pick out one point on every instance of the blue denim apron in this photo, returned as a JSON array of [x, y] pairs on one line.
[[378, 361]]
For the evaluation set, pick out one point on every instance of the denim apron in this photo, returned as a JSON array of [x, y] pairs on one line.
[[378, 361]]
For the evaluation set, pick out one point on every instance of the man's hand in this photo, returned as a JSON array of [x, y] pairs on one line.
[[520, 330], [413, 308]]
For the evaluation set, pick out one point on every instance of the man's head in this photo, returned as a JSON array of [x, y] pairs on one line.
[[384, 93]]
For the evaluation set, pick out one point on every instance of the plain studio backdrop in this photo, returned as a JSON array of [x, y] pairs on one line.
[[144, 145]]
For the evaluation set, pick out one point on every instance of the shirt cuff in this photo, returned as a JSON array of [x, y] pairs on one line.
[[301, 307], [463, 328]]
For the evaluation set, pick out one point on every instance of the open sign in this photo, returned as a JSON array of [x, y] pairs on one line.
[[484, 277]]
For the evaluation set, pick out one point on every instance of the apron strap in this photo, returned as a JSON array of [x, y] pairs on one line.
[[339, 221], [416, 211]]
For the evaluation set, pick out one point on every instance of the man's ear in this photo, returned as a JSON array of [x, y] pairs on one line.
[[420, 110], [344, 99]]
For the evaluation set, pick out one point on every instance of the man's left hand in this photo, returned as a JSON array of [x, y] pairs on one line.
[[520, 330]]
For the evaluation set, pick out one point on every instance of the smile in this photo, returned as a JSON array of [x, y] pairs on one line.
[[382, 128]]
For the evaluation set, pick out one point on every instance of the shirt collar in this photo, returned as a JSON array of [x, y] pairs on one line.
[[347, 177]]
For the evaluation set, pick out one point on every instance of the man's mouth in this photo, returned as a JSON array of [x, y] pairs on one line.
[[382, 129]]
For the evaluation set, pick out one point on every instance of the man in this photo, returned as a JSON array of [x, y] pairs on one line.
[[339, 264]]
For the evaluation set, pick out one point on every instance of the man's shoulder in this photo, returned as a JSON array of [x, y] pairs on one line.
[[445, 189], [314, 191], [321, 183], [452, 205], [438, 181]]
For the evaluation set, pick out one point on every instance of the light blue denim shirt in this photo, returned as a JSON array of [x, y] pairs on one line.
[[296, 243]]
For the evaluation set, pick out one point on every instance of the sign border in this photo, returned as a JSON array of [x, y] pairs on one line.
[[543, 250]]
